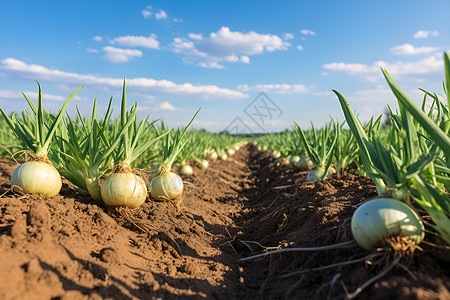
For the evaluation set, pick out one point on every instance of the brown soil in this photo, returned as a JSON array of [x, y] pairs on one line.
[[70, 247]]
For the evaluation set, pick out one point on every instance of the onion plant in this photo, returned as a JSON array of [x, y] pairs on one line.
[[37, 174], [166, 185], [399, 168], [320, 150]]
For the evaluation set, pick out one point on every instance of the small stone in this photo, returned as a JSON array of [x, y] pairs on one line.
[[109, 255]]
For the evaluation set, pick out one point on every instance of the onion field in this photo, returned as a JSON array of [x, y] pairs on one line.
[[101, 206]]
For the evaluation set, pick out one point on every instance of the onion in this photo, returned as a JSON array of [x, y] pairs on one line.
[[294, 159], [186, 170], [203, 164], [275, 154], [36, 177], [214, 155], [124, 189], [316, 174], [305, 163], [223, 156], [380, 218], [231, 151], [167, 187]]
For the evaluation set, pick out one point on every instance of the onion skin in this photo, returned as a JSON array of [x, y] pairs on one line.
[[186, 170], [36, 177], [167, 187], [380, 218], [124, 189]]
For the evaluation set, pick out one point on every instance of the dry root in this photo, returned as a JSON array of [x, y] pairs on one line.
[[397, 251]]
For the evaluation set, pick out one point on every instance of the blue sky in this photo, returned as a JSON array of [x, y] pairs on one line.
[[178, 56]]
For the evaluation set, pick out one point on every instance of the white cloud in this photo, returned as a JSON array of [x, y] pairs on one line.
[[161, 15], [245, 59], [416, 69], [167, 106], [195, 36], [423, 34], [299, 47], [147, 12], [90, 50], [162, 106], [97, 38], [307, 32], [288, 36], [137, 41], [118, 55], [282, 88], [225, 46], [150, 86], [408, 49]]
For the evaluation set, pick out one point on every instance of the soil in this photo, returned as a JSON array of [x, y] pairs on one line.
[[71, 247]]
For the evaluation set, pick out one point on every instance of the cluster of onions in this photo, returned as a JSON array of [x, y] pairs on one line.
[[125, 187], [37, 175]]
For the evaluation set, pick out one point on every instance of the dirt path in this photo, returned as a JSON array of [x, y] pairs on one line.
[[69, 247]]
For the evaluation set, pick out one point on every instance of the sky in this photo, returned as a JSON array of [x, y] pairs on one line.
[[251, 66]]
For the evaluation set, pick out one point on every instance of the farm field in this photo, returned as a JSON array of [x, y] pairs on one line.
[[71, 247], [225, 150]]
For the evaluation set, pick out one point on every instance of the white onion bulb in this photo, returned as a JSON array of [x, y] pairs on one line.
[[305, 163], [294, 159], [203, 164], [380, 218], [275, 154], [124, 189], [37, 177], [167, 187], [214, 155], [316, 174], [186, 170]]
